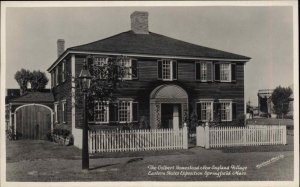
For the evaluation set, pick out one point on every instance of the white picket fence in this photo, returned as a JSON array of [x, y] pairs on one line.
[[210, 137], [137, 140]]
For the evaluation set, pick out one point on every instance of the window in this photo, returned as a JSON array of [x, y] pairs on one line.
[[204, 71], [167, 69], [100, 67], [124, 111], [226, 111], [205, 110], [101, 112], [129, 67], [55, 112], [64, 111], [56, 76], [52, 79], [63, 72], [225, 72]]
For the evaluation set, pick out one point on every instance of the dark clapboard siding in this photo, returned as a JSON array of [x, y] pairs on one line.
[[141, 88]]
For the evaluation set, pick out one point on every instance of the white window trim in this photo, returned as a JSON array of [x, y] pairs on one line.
[[212, 108], [104, 63], [63, 108], [201, 62], [228, 75], [130, 70], [107, 114], [230, 113], [56, 112], [131, 111], [171, 69]]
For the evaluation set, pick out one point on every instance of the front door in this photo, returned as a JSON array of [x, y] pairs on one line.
[[170, 115]]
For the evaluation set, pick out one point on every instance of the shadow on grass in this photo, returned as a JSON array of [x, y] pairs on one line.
[[103, 166], [272, 148]]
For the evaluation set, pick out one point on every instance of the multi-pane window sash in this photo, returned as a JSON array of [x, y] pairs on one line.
[[226, 111], [126, 66], [56, 76], [203, 71], [100, 68], [225, 72], [63, 108], [63, 73], [55, 112], [124, 111], [206, 111], [101, 112]]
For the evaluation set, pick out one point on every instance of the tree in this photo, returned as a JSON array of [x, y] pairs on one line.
[[107, 78], [38, 80], [280, 99], [22, 77]]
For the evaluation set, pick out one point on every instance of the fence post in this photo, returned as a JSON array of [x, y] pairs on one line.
[[185, 136], [284, 134], [206, 135]]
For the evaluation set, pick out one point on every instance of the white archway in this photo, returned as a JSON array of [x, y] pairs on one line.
[[172, 95]]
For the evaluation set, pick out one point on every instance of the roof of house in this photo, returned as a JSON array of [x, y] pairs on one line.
[[34, 97], [153, 44]]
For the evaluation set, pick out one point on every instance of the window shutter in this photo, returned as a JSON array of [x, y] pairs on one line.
[[199, 111], [135, 111], [233, 111], [198, 67], [113, 112], [174, 69], [217, 72], [209, 71], [159, 69], [217, 111], [233, 72], [134, 68], [65, 112]]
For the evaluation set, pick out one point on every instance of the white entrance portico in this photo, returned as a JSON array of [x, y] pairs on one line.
[[168, 106]]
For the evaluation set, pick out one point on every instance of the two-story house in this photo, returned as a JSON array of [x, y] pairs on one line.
[[172, 79]]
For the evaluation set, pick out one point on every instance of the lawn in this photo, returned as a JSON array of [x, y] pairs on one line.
[[47, 161]]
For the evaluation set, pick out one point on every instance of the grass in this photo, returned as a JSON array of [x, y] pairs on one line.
[[47, 161]]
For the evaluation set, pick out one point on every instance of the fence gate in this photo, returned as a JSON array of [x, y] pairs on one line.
[[33, 122]]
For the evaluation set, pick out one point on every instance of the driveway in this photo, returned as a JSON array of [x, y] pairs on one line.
[[46, 161]]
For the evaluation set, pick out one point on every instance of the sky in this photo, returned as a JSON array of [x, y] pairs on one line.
[[263, 33]]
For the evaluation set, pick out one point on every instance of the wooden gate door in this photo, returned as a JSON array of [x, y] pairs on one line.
[[33, 122]]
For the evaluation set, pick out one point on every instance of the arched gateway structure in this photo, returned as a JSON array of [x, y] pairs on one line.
[[168, 106]]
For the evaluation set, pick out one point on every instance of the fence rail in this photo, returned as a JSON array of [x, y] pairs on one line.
[[240, 136], [137, 140]]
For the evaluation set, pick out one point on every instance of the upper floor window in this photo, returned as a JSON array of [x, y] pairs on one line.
[[56, 76], [52, 79], [167, 69], [100, 67], [204, 71], [63, 71], [225, 72]]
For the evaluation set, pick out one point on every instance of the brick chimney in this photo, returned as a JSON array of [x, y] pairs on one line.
[[139, 22], [60, 47]]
